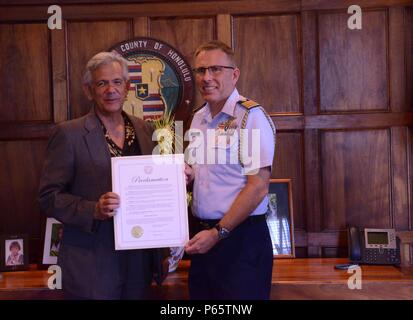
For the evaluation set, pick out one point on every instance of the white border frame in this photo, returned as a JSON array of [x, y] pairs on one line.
[[47, 258]]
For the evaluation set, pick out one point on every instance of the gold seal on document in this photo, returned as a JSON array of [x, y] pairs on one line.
[[137, 231]]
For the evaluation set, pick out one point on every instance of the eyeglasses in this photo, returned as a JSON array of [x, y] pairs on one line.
[[211, 69], [117, 83]]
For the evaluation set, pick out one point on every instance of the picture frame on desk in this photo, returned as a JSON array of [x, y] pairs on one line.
[[52, 241], [14, 252], [280, 218]]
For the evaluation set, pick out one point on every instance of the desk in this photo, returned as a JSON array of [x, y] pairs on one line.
[[294, 279], [27, 285], [317, 279]]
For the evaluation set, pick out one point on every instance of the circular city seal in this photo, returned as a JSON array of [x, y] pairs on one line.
[[161, 80], [137, 231]]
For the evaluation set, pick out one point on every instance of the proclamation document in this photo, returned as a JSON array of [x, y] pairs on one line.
[[153, 210]]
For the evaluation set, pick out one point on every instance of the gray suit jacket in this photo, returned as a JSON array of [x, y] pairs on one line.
[[77, 171]]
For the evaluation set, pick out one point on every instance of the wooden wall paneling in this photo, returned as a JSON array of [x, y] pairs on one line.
[[174, 8], [301, 251], [399, 174], [289, 122], [331, 239], [12, 13], [330, 244], [410, 175], [59, 72], [21, 167], [25, 130], [158, 8], [353, 63], [334, 181], [267, 50], [334, 252], [310, 76], [344, 4], [312, 174], [397, 60], [141, 27], [185, 34], [356, 178], [408, 40], [300, 243], [288, 163], [282, 3], [312, 191], [344, 121], [359, 121], [314, 251], [94, 36], [25, 72], [224, 28], [300, 238]]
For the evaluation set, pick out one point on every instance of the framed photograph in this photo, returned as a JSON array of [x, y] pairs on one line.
[[14, 253], [280, 218], [52, 241]]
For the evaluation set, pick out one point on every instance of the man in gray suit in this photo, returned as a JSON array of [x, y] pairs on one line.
[[75, 188]]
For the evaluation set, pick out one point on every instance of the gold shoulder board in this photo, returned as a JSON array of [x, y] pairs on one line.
[[249, 104]]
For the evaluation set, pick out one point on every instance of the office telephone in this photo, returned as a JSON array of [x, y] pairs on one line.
[[373, 246]]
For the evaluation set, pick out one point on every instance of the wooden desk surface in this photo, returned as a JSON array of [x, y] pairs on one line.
[[318, 279], [292, 279], [305, 271]]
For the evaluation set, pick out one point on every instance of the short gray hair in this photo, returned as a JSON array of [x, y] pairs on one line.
[[217, 45], [103, 58]]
